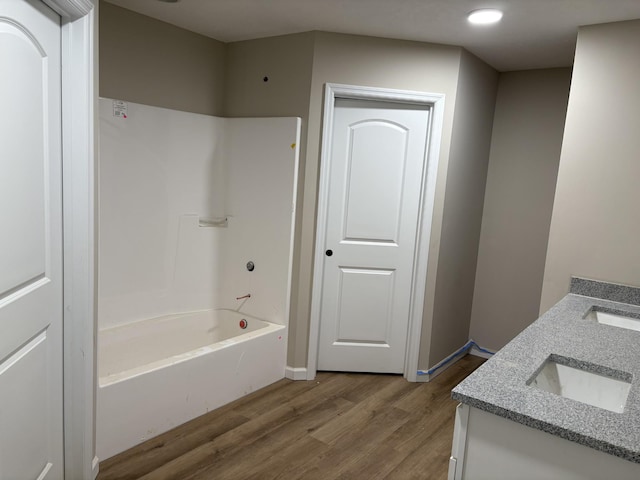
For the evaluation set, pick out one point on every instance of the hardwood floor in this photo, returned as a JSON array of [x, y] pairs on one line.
[[338, 426]]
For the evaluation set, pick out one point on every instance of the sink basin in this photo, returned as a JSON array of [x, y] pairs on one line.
[[608, 392], [615, 320]]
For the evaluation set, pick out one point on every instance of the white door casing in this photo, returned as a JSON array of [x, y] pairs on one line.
[[375, 216], [31, 361], [77, 32]]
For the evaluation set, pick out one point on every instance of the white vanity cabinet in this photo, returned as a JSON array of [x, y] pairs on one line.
[[488, 446]]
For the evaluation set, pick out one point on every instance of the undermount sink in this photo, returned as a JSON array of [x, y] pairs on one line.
[[604, 391], [615, 320]]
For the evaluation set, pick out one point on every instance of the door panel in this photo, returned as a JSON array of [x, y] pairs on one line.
[[24, 69], [31, 243], [374, 218], [368, 323], [23, 389], [375, 178]]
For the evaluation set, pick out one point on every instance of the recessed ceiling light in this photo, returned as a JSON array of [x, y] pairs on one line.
[[484, 16]]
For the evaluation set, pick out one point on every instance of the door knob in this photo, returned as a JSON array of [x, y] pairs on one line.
[[329, 253]]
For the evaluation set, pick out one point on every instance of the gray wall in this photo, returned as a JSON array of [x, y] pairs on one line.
[[462, 215], [285, 60], [595, 224], [525, 153], [151, 62]]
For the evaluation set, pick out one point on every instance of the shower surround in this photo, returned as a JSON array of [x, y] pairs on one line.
[[185, 202]]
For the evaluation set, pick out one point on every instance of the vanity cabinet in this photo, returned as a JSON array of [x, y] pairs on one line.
[[488, 446]]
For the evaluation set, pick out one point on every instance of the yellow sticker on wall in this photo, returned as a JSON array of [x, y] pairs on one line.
[[293, 145]]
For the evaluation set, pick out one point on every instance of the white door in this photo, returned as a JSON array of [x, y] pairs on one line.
[[376, 167], [31, 441]]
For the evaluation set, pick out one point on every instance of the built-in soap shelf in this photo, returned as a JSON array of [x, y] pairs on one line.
[[218, 222]]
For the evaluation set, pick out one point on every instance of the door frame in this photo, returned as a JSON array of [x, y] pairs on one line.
[[78, 29], [435, 103]]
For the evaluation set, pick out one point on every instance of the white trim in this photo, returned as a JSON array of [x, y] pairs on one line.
[[78, 99], [436, 103], [426, 378], [95, 467], [70, 9], [295, 373], [425, 217], [292, 233], [459, 444], [478, 353], [440, 367]]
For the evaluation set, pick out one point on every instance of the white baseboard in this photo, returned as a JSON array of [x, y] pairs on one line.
[[423, 378], [477, 353], [430, 376], [95, 467], [470, 347], [295, 373]]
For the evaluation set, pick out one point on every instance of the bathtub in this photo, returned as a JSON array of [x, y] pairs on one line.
[[158, 373]]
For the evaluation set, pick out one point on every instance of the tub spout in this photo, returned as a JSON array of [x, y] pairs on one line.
[[248, 295]]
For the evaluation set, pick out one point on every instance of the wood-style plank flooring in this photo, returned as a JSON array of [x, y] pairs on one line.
[[338, 426]]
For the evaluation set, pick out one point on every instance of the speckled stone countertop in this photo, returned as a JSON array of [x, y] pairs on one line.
[[500, 387]]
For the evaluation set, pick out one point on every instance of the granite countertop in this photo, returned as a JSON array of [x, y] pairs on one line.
[[500, 387]]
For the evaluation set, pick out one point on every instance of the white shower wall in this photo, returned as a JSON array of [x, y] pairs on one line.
[[260, 200], [160, 172]]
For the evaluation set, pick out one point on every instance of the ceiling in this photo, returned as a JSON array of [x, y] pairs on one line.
[[532, 33]]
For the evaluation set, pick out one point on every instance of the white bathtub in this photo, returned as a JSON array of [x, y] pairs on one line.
[[158, 373]]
